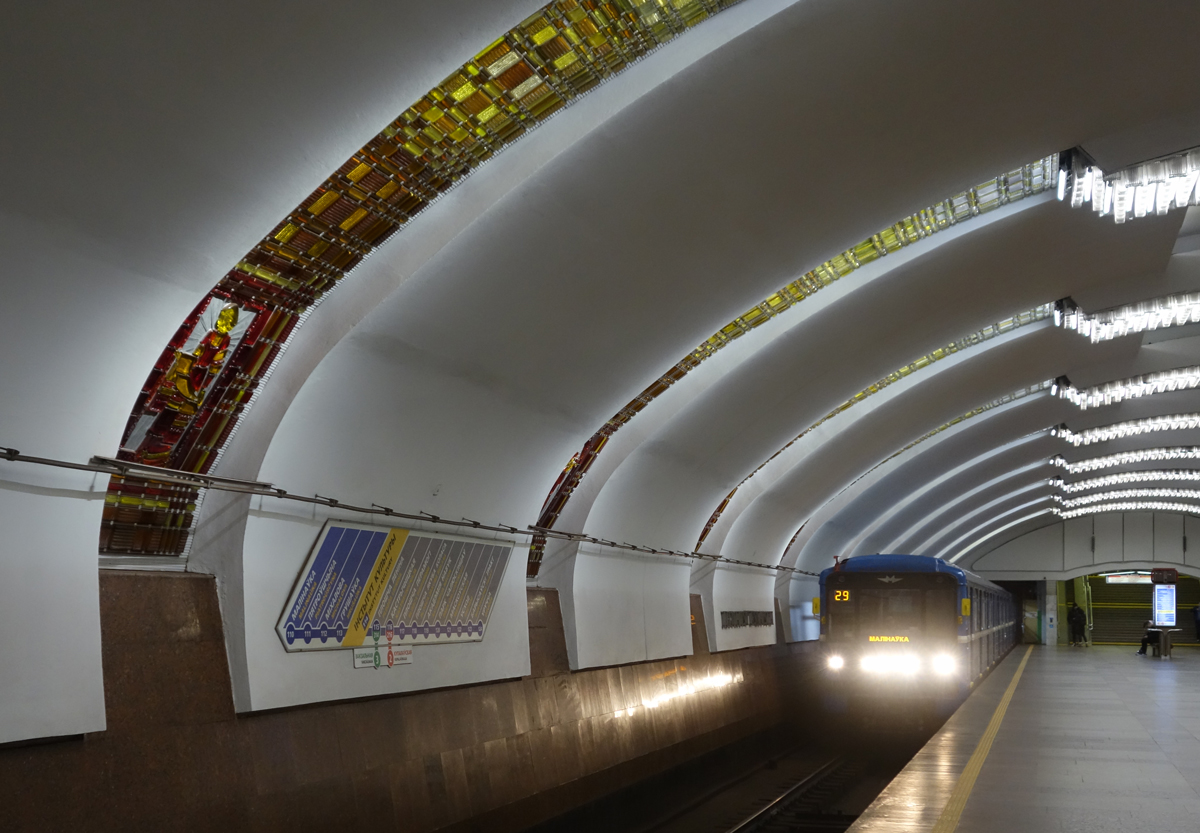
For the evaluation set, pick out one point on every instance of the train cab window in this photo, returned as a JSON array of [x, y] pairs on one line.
[[890, 611]]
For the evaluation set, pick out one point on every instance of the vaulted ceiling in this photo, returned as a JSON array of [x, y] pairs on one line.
[[462, 365]]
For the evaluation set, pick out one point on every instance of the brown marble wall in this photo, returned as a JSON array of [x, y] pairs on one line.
[[493, 757]]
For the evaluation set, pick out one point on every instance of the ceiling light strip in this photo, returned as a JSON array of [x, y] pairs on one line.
[[1127, 495], [1151, 384], [1128, 477], [1155, 314], [1125, 458], [1130, 428], [1153, 187]]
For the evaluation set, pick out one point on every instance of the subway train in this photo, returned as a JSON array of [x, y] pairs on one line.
[[911, 628]]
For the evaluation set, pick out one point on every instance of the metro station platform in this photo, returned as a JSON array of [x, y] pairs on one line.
[[1059, 739]]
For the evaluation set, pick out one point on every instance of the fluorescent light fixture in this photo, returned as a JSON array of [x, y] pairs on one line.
[[1131, 428], [1127, 477], [1110, 393], [1125, 458], [1153, 187], [1163, 493], [1129, 506], [1155, 314]]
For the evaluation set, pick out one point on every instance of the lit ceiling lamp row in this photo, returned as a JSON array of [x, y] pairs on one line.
[[1110, 393], [1157, 313], [1125, 478], [1127, 495], [1129, 428], [1153, 187], [1126, 458]]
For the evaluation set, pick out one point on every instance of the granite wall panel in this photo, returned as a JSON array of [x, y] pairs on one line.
[[495, 757]]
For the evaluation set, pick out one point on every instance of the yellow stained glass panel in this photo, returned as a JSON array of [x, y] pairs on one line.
[[327, 199], [353, 220]]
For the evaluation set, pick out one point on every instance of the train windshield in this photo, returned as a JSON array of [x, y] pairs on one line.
[[918, 612], [891, 611]]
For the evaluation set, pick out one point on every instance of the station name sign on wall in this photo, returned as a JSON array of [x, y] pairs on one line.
[[366, 584]]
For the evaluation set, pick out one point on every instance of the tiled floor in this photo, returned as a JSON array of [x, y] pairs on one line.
[[1094, 740]]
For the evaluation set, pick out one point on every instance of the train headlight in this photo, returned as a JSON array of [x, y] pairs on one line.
[[943, 664], [836, 662]]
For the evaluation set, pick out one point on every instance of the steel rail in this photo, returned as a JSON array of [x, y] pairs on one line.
[[779, 804]]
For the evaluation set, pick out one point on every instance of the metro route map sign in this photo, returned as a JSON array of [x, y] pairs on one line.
[[366, 584]]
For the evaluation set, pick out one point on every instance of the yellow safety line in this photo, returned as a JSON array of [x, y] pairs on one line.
[[948, 820]]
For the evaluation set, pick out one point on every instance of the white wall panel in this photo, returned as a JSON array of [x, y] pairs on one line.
[[1168, 538], [738, 589], [1191, 531], [1110, 537], [1138, 536], [629, 608], [1077, 543]]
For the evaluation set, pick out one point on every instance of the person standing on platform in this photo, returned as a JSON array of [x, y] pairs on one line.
[[1077, 622], [1149, 637]]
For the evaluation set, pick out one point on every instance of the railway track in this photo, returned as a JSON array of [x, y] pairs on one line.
[[805, 805]]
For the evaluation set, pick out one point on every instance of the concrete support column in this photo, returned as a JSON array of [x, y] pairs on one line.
[[1050, 613]]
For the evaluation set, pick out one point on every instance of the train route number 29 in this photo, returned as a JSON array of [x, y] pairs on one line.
[[841, 595]]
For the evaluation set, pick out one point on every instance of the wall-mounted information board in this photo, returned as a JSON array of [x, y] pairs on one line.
[[367, 584]]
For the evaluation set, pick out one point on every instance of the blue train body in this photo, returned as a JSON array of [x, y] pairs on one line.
[[897, 626]]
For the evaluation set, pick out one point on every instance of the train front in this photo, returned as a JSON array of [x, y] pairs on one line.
[[890, 627]]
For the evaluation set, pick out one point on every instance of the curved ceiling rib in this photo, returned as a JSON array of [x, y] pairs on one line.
[[1003, 527], [1030, 179], [1146, 499], [986, 334], [939, 483], [972, 502], [794, 554], [207, 376], [1163, 312]]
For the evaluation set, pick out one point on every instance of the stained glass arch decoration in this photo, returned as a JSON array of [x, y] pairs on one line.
[[209, 372]]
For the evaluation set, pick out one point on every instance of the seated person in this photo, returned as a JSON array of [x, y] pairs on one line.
[[1149, 637]]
